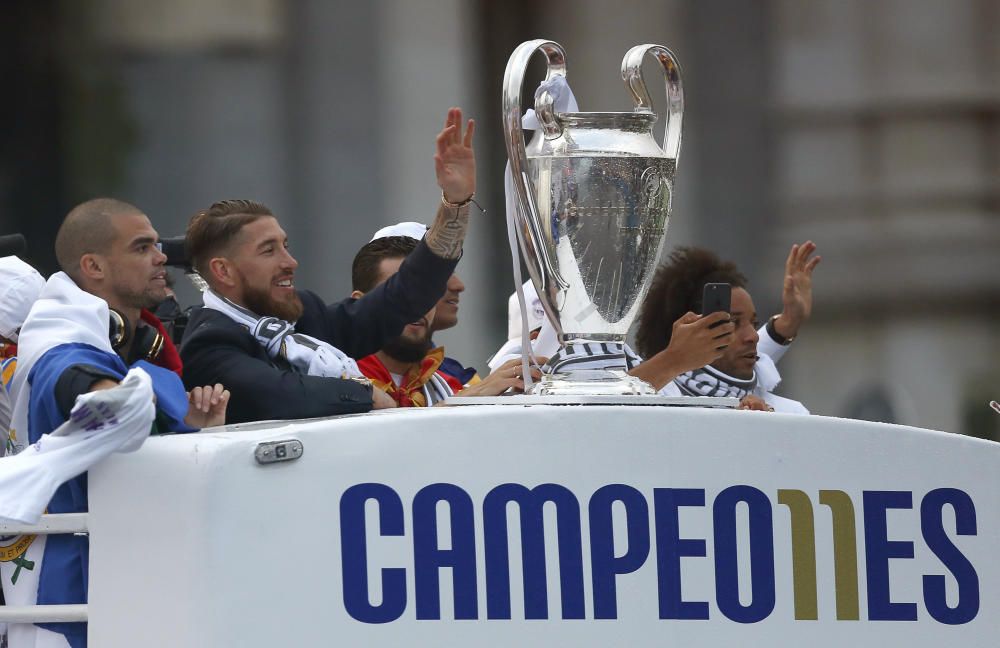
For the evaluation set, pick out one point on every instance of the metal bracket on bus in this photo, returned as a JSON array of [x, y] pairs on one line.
[[275, 451]]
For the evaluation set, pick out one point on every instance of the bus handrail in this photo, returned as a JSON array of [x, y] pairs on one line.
[[54, 524]]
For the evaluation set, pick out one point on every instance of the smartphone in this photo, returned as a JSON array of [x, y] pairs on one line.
[[716, 297]]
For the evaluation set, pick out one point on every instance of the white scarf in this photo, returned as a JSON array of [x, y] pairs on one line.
[[309, 355], [437, 389], [593, 356], [101, 423], [709, 381], [63, 314]]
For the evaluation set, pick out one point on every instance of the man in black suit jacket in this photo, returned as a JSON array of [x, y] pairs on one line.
[[240, 250]]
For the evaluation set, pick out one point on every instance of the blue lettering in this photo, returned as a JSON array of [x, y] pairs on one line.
[[879, 549], [354, 553], [604, 565], [533, 550], [761, 554], [429, 558], [670, 548], [931, 524], [458, 551]]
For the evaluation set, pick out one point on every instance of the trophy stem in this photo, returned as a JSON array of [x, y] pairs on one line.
[[589, 366]]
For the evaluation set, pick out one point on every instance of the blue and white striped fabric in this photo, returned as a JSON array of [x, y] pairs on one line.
[[593, 356]]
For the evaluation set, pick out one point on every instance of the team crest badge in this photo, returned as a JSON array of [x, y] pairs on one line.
[[13, 550]]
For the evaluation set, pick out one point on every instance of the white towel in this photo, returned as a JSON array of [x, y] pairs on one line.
[[63, 314], [101, 422]]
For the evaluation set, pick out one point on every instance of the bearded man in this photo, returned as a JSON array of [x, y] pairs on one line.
[[408, 367], [446, 309], [284, 353]]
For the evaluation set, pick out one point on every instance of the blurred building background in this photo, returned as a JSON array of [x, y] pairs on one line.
[[870, 126]]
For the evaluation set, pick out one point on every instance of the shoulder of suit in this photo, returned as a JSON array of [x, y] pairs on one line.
[[207, 325]]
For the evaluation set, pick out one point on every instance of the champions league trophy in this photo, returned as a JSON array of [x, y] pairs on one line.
[[592, 195]]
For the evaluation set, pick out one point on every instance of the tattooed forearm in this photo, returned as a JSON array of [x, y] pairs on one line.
[[445, 236]]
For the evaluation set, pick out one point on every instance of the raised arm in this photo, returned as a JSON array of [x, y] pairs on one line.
[[455, 167], [796, 299], [361, 326]]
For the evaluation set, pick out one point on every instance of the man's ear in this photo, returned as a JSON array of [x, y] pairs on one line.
[[222, 270], [357, 294], [92, 266]]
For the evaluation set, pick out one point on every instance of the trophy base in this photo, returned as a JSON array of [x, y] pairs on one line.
[[591, 383]]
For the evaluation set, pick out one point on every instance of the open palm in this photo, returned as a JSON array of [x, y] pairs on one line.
[[796, 292], [454, 161]]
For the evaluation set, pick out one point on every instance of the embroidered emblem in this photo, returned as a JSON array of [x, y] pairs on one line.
[[12, 550]]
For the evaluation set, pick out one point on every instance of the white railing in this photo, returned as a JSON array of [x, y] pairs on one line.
[[48, 525], [43, 613]]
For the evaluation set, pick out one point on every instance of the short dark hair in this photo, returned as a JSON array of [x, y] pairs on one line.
[[212, 230], [88, 229], [676, 289], [365, 268]]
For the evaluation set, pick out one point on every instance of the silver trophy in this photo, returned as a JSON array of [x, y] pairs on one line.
[[593, 194]]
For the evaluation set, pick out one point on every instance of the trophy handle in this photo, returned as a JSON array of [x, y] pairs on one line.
[[540, 265], [632, 76]]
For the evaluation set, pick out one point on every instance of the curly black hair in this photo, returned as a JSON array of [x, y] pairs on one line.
[[676, 289]]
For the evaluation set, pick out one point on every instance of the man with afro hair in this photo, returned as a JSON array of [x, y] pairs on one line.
[[746, 367]]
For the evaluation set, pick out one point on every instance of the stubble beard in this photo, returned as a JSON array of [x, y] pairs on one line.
[[730, 368], [147, 298]]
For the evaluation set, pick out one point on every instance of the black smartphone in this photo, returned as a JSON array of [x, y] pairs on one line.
[[716, 297]]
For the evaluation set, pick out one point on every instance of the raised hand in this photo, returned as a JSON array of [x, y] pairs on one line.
[[455, 166], [796, 292], [207, 406], [455, 161]]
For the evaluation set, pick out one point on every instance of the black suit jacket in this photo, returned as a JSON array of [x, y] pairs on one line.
[[218, 350]]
